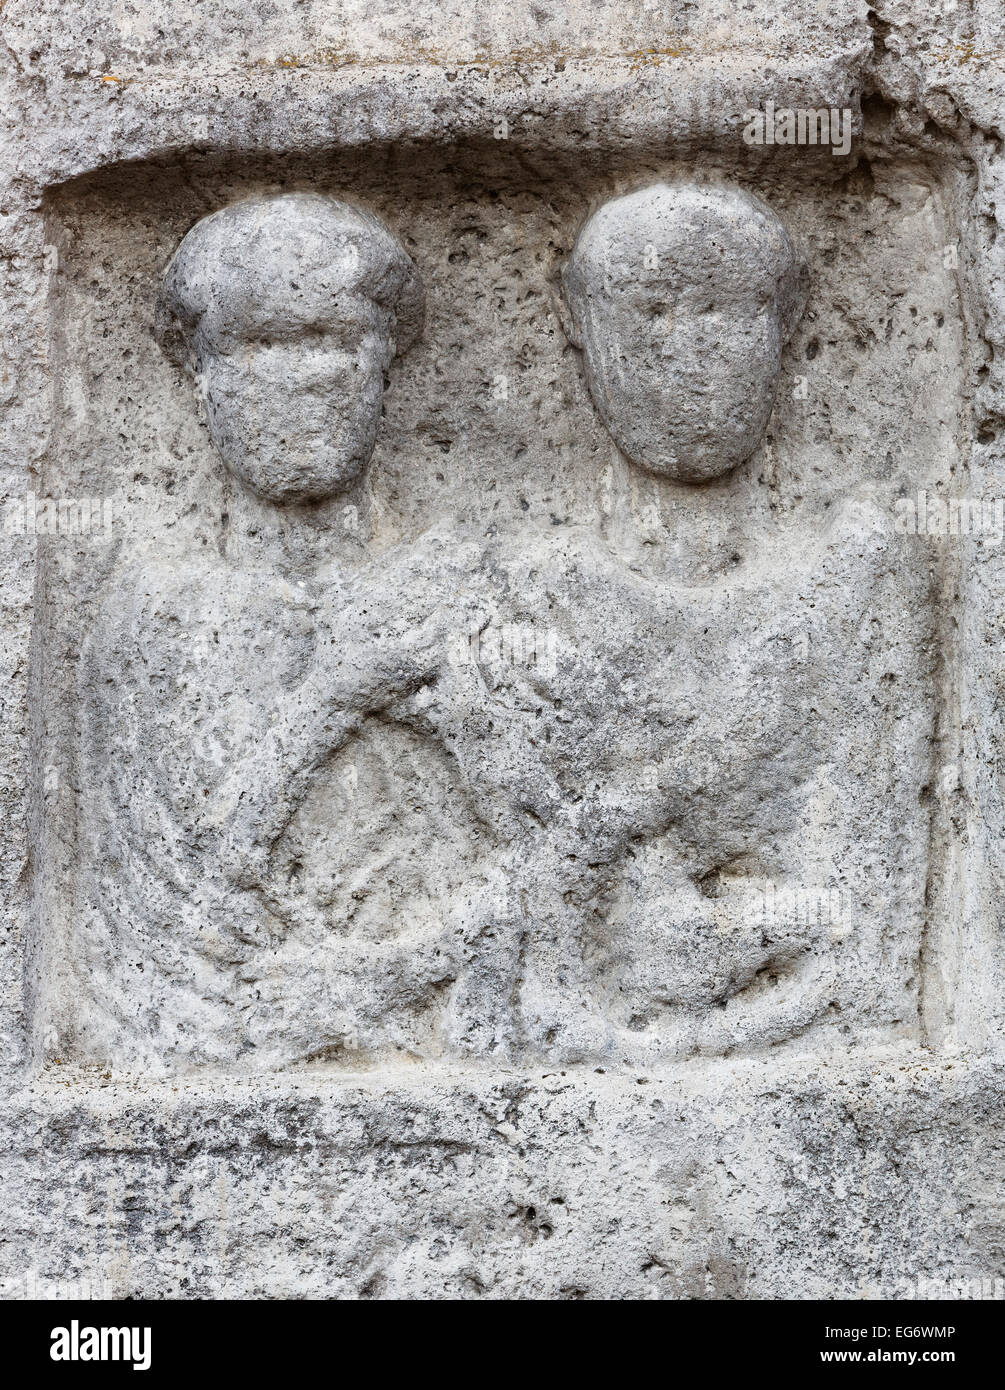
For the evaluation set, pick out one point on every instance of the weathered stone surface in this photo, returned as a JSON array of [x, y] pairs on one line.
[[500, 756]]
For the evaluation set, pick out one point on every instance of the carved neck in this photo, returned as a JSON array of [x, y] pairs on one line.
[[297, 541]]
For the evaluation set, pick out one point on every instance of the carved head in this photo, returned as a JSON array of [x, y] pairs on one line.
[[681, 298], [287, 311]]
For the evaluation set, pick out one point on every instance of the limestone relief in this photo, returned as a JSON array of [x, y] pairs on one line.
[[339, 824]]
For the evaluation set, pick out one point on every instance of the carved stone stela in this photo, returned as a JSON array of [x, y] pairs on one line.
[[502, 704], [362, 780]]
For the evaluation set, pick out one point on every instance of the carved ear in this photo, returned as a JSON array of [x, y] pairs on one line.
[[409, 312], [566, 313], [793, 303], [175, 322], [174, 337]]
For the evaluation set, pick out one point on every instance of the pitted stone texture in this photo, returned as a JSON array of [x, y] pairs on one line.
[[681, 298], [807, 1181]]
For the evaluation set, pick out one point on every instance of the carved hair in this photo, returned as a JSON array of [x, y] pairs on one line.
[[230, 255]]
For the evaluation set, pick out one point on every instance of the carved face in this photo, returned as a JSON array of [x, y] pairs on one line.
[[288, 311], [681, 299], [293, 399]]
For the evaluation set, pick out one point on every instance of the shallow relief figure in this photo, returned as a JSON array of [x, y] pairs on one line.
[[221, 691], [695, 727]]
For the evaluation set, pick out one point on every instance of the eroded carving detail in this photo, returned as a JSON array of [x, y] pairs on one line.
[[681, 298]]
